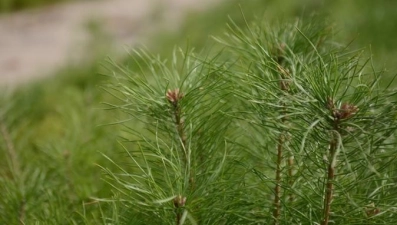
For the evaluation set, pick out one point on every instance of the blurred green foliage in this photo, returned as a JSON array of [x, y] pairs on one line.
[[365, 23]]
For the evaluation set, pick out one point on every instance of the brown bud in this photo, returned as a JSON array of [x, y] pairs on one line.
[[347, 110], [174, 96], [371, 210], [179, 201]]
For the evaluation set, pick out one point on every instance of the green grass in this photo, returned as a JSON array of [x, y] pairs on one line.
[[52, 133]]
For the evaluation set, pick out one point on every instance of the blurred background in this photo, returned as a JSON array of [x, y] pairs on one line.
[[38, 37], [52, 55]]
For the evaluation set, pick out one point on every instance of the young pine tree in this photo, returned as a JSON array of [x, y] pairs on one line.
[[282, 127]]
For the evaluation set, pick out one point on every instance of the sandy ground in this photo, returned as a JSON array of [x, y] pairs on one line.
[[35, 43]]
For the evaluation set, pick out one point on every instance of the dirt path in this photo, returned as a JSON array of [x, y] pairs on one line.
[[36, 42]]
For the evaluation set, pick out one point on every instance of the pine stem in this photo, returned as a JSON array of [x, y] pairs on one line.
[[277, 188], [290, 174], [344, 112], [180, 128], [173, 97], [284, 86], [179, 203], [178, 218], [330, 180], [182, 136]]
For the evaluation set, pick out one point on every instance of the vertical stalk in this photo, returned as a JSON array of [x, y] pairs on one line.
[[179, 203], [173, 97], [330, 180], [180, 128], [346, 111], [290, 175], [336, 115], [277, 188], [284, 86]]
